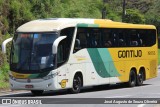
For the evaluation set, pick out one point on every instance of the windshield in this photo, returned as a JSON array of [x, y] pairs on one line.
[[32, 52]]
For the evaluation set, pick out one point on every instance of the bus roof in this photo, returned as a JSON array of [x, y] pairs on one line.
[[55, 24]]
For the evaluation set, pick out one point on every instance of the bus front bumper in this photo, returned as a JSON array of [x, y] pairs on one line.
[[33, 84]]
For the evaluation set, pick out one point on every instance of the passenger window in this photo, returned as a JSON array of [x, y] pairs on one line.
[[95, 37], [81, 40], [135, 38], [121, 38], [107, 38]]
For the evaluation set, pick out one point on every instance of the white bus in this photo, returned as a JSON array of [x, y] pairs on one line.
[[63, 53]]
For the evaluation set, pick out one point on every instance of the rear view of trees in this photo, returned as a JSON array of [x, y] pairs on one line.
[[14, 13]]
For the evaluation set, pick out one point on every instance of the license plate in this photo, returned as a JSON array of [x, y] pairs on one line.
[[29, 86]]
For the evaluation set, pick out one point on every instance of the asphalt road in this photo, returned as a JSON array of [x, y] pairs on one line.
[[150, 89]]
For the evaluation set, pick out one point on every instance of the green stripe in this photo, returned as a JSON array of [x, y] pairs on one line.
[[33, 76], [39, 75], [98, 62], [103, 62], [87, 25]]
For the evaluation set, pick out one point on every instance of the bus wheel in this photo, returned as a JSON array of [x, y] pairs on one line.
[[77, 84], [140, 78], [132, 79], [37, 92]]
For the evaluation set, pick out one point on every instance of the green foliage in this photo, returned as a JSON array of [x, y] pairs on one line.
[[4, 76], [16, 12], [134, 16], [19, 13], [4, 70]]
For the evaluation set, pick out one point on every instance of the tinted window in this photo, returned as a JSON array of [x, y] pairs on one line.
[[64, 46], [149, 37], [109, 38]]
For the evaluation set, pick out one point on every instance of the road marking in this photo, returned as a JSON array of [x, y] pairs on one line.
[[119, 96], [9, 105], [141, 105]]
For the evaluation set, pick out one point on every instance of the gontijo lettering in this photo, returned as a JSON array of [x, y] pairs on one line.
[[129, 53]]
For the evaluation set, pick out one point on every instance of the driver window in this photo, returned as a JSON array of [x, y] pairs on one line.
[[81, 40], [64, 46]]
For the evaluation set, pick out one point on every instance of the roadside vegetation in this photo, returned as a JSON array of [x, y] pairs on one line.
[[14, 13]]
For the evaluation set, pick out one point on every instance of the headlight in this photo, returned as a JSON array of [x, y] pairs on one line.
[[11, 77], [50, 76]]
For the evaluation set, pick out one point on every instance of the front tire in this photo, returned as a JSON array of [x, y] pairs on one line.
[[37, 92], [77, 84]]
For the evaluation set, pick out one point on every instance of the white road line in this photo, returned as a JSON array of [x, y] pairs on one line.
[[123, 96], [14, 105], [3, 105], [141, 105]]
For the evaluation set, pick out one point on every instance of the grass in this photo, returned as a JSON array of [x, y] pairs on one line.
[[4, 84]]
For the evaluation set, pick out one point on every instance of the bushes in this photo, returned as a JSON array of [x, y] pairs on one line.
[[4, 68], [4, 65], [134, 16]]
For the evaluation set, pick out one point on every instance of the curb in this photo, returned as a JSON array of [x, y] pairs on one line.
[[6, 92]]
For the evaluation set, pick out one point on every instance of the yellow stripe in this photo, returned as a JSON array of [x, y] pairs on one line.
[[112, 24], [19, 75]]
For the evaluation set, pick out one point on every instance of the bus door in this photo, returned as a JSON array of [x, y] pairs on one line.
[[63, 72]]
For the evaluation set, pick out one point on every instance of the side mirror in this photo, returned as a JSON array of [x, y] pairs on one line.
[[56, 42], [77, 44], [5, 43]]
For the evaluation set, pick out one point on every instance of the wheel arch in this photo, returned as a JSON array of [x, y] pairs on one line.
[[134, 69], [79, 73], [76, 72]]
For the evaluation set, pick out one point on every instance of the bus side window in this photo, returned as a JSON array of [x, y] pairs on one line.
[[114, 39], [150, 37], [140, 41], [95, 38], [121, 38], [77, 44], [107, 38], [80, 41], [134, 39], [83, 40]]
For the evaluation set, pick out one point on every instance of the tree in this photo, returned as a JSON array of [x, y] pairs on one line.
[[134, 16]]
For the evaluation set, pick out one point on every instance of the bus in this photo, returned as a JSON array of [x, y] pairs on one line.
[[72, 53]]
